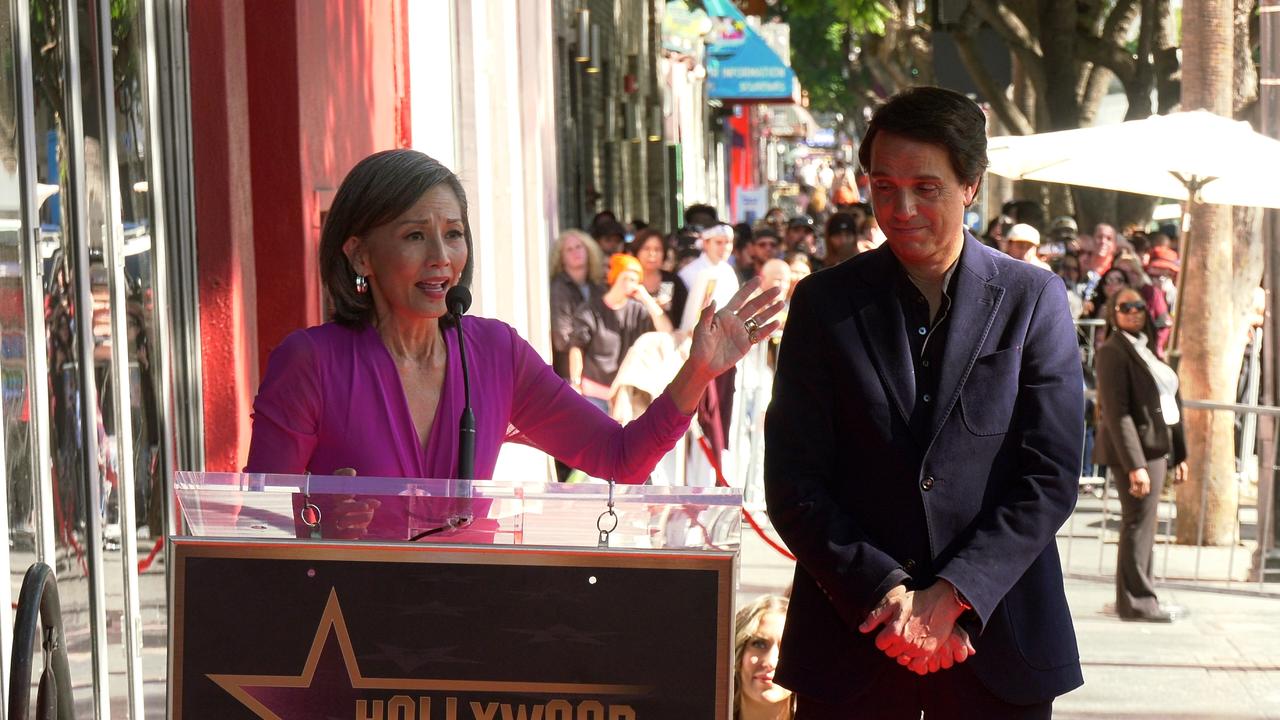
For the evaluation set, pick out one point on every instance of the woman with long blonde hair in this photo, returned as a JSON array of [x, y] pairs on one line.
[[577, 275], [757, 631]]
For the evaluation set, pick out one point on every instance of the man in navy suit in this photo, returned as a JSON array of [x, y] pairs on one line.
[[923, 448]]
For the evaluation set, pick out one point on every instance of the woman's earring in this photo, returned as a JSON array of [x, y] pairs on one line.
[[362, 284]]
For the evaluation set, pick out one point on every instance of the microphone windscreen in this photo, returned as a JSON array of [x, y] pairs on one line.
[[458, 299]]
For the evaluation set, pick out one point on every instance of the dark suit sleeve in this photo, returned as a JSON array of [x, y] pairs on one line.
[[799, 447], [1038, 497], [1114, 394]]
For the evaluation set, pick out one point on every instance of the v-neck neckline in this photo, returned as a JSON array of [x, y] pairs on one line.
[[434, 453]]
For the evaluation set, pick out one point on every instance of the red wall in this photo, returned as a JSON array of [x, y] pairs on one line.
[[287, 95], [224, 226]]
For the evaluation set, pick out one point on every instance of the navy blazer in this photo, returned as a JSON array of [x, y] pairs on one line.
[[865, 504]]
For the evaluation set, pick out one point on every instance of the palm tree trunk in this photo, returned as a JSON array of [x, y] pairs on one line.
[[1207, 501]]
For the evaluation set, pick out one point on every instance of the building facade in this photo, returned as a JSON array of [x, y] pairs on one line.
[[166, 171]]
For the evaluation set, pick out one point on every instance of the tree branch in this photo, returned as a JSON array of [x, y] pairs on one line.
[[1119, 21], [1109, 55], [1009, 115], [1009, 25], [1013, 31]]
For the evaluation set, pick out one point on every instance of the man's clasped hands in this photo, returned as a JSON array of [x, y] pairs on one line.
[[919, 628]]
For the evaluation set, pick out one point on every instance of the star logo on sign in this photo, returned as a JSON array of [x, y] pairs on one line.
[[330, 682]]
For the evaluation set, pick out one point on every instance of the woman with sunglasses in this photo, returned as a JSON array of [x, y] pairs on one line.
[[1139, 438]]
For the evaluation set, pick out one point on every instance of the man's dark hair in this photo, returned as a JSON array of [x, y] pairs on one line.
[[603, 216], [1030, 212], [741, 236], [937, 116], [378, 189], [766, 232], [605, 228], [692, 213]]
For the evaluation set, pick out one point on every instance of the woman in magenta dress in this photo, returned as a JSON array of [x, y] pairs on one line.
[[379, 388]]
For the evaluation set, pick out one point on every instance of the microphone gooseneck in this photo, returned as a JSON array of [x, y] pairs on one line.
[[457, 301]]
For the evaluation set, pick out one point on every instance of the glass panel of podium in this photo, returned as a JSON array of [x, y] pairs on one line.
[[484, 512]]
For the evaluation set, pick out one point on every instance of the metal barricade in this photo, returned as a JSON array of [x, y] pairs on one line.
[[1225, 573]]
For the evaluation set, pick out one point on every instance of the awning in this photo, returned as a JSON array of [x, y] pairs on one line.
[[741, 67]]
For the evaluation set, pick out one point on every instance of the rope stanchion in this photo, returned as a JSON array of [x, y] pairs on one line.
[[721, 482]]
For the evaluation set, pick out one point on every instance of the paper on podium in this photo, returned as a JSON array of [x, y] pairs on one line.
[[260, 505]]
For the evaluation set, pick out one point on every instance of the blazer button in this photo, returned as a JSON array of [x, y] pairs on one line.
[[909, 566], [927, 483]]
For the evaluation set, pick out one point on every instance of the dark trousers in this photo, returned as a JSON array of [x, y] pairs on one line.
[[955, 694], [1135, 593]]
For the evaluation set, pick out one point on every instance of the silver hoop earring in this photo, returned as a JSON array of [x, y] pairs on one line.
[[362, 284]]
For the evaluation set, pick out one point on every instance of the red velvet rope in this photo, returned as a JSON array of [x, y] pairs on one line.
[[720, 481]]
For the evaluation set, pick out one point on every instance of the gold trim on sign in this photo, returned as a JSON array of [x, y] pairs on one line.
[[183, 548]]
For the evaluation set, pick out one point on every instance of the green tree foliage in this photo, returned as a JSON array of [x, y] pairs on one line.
[[825, 48]]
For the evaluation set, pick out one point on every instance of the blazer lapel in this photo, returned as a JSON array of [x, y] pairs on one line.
[[885, 335], [973, 308]]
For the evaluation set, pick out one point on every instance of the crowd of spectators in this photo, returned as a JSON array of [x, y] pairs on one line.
[[613, 283]]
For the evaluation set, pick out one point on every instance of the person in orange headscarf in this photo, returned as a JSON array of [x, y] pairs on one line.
[[606, 327]]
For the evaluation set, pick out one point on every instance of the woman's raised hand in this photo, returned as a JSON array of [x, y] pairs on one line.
[[722, 337]]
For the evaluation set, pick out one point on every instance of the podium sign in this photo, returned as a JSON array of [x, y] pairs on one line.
[[287, 629]]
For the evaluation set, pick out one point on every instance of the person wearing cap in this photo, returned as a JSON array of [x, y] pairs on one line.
[[1061, 236], [800, 234], [606, 327], [1022, 242], [1163, 267], [842, 238]]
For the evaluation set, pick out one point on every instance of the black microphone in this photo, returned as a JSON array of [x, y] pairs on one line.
[[457, 301]]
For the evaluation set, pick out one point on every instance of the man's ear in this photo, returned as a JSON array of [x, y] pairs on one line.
[[971, 191], [354, 249]]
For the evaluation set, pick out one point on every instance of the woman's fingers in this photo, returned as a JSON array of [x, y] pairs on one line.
[[740, 298], [707, 317], [752, 307]]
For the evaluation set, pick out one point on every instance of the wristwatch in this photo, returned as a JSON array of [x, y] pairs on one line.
[[965, 605]]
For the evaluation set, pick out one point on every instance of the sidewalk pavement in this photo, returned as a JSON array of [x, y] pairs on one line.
[[1220, 662]]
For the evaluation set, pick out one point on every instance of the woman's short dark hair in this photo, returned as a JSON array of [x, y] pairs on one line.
[[376, 191], [937, 116], [643, 237]]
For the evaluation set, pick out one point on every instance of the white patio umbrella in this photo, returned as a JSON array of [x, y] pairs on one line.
[[1193, 157], [1189, 156]]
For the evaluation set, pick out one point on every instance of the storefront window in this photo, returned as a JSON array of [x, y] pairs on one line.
[[17, 426], [99, 402]]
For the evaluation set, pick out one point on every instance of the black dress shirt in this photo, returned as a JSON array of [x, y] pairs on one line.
[[927, 338]]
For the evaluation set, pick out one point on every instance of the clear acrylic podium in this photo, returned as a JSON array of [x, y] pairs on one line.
[[247, 505], [336, 596]]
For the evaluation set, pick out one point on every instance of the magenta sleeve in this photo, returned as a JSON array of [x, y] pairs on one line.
[[286, 411], [555, 419]]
